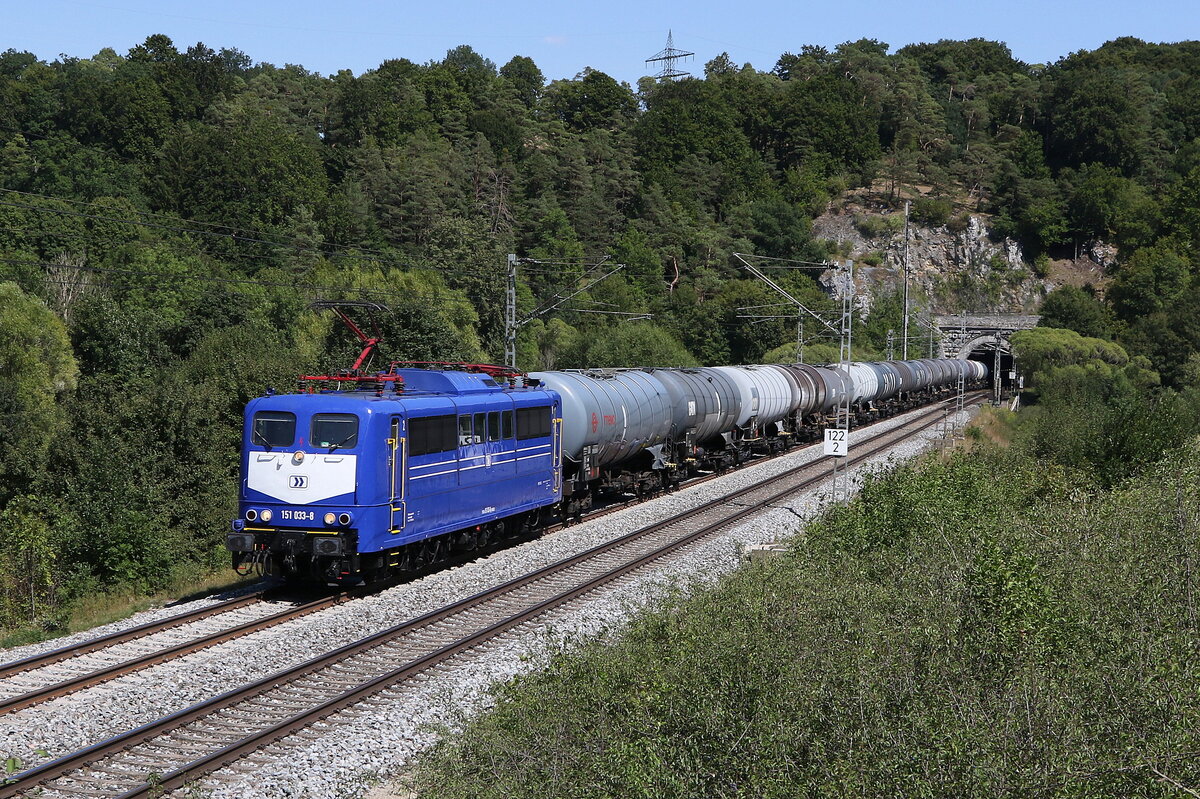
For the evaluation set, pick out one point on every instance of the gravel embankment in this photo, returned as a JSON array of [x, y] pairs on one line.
[[89, 663], [335, 759]]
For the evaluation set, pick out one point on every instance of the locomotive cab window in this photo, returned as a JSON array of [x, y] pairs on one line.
[[273, 429], [431, 434], [334, 430], [533, 423]]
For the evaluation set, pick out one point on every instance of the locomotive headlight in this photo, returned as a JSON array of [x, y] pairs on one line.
[[251, 515], [330, 518], [266, 515], [344, 519]]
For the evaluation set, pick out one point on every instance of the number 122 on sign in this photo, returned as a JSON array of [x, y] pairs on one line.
[[836, 442]]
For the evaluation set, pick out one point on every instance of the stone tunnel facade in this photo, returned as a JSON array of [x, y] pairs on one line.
[[961, 335]]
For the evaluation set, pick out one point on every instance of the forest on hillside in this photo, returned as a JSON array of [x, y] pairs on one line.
[[167, 217]]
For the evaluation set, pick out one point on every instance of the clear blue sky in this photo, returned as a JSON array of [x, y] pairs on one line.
[[564, 37]]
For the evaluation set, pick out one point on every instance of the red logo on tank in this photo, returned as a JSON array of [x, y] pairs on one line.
[[595, 422]]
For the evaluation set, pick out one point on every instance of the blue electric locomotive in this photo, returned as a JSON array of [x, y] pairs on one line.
[[349, 485]]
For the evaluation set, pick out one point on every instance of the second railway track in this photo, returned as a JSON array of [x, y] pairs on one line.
[[215, 733], [40, 678]]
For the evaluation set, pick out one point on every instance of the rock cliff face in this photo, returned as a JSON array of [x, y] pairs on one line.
[[952, 270]]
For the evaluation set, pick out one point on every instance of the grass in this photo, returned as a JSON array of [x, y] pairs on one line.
[[994, 425], [94, 610]]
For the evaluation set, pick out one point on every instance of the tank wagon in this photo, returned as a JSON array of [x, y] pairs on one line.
[[358, 477]]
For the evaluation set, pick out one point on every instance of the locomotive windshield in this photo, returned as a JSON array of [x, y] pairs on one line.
[[334, 430], [274, 429]]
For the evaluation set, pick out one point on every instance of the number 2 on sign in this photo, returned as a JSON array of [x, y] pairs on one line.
[[835, 441]]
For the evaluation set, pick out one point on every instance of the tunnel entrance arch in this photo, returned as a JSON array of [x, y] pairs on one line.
[[995, 352], [985, 338]]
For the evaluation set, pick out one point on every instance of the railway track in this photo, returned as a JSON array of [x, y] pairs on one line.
[[216, 733], [40, 678], [53, 656]]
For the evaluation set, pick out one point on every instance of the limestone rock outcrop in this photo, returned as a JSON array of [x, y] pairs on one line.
[[959, 269]]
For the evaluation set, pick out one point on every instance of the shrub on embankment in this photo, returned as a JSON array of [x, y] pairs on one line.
[[985, 625]]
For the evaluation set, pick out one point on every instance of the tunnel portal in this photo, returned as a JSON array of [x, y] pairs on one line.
[[985, 338]]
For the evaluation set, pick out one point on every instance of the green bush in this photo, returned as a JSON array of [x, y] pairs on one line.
[[931, 211], [959, 222], [875, 226], [1097, 409], [1007, 622], [982, 626]]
